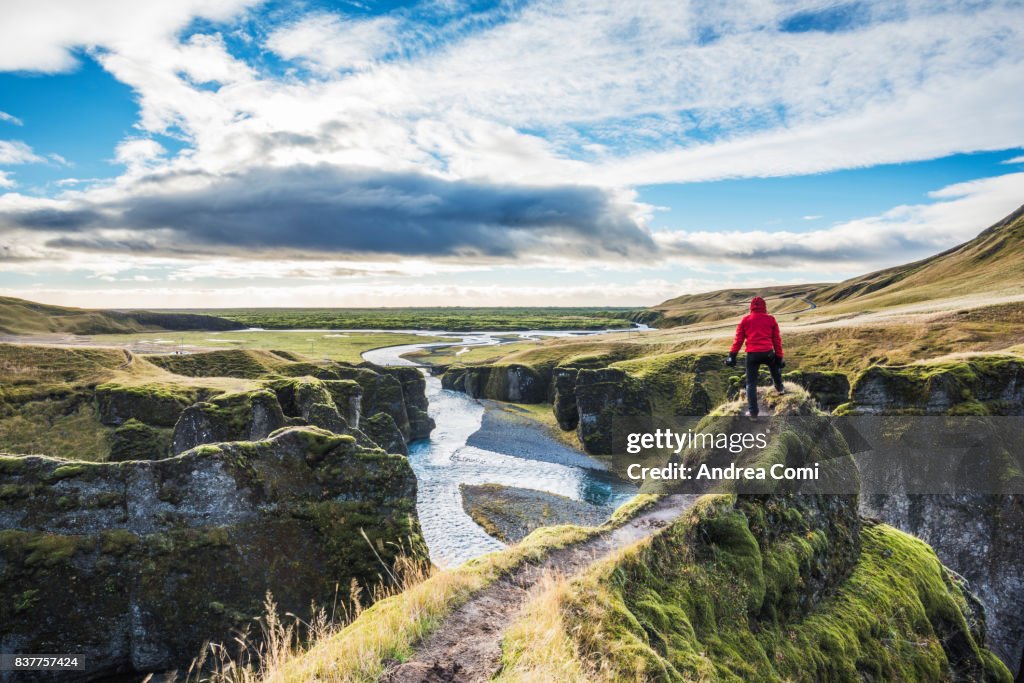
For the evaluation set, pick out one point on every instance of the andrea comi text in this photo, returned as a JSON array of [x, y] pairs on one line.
[[677, 472]]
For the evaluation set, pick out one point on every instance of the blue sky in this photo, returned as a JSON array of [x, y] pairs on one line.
[[239, 153]]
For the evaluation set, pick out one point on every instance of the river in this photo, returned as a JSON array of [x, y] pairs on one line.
[[446, 460]]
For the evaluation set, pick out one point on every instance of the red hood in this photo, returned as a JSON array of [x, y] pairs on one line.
[[757, 305]]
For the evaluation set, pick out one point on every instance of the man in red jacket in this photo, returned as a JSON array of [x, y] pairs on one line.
[[764, 347]]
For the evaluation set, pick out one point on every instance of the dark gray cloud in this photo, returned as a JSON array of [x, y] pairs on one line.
[[326, 209]]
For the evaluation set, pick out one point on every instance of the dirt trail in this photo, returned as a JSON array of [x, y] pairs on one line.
[[467, 645]]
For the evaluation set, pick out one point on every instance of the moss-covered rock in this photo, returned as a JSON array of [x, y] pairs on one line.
[[414, 392], [381, 428], [245, 416], [382, 393], [137, 564], [563, 401], [135, 440], [829, 389], [158, 405], [501, 382], [347, 396], [977, 534], [986, 385], [714, 597], [602, 396]]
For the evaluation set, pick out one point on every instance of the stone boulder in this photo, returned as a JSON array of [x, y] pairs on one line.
[[382, 430], [135, 565]]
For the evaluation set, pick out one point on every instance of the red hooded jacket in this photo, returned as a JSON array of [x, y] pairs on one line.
[[760, 330]]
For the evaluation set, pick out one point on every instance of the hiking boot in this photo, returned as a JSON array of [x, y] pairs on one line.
[[781, 391], [751, 416]]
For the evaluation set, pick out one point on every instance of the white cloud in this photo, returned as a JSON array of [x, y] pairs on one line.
[[811, 218], [10, 118], [1015, 160], [138, 152], [328, 41], [899, 235], [40, 35], [6, 180], [17, 152]]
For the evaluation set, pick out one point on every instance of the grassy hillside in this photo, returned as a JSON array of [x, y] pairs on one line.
[[19, 317], [991, 262], [729, 303]]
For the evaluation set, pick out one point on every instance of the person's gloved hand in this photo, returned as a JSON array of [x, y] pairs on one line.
[[731, 360], [781, 362]]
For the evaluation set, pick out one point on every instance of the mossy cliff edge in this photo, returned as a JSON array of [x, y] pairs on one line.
[[713, 597], [136, 564], [767, 587], [978, 535]]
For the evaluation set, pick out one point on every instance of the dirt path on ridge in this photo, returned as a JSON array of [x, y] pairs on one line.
[[467, 644]]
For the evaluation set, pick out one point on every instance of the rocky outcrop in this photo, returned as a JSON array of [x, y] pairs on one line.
[[564, 400], [157, 405], [602, 396], [247, 416], [381, 428], [513, 382], [137, 564], [984, 385], [829, 389], [136, 440], [414, 392], [978, 535]]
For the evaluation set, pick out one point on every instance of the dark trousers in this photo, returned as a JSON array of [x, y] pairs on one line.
[[755, 360]]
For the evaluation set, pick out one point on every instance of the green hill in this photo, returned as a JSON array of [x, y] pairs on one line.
[[18, 317], [728, 304], [992, 262]]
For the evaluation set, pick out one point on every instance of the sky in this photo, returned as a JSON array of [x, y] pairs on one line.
[[238, 153]]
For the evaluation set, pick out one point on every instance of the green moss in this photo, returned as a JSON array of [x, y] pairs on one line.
[[12, 491], [65, 471], [117, 541], [707, 599], [26, 600], [37, 549], [10, 464], [135, 440]]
